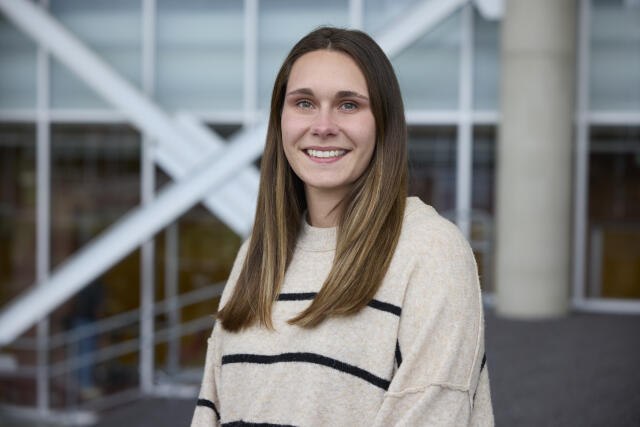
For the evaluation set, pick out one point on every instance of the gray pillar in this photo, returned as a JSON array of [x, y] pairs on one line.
[[534, 158]]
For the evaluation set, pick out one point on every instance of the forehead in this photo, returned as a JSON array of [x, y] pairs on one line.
[[327, 69]]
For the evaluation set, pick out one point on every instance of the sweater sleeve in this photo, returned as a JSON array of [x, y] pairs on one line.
[[441, 377], [207, 412]]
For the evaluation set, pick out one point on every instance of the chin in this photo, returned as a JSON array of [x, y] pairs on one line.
[[327, 186]]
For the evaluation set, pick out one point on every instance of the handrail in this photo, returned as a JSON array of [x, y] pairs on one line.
[[109, 352], [119, 320], [112, 323], [129, 346]]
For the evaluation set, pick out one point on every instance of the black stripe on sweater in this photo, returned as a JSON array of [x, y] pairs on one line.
[[398, 354], [484, 361], [208, 404], [244, 423], [297, 296], [304, 296], [317, 359]]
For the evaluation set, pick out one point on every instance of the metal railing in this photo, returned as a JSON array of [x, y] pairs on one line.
[[67, 342]]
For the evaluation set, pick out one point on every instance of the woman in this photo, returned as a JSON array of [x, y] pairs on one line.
[[350, 304]]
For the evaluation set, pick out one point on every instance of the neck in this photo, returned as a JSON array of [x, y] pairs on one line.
[[324, 207]]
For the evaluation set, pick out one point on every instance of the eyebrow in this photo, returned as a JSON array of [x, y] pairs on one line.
[[340, 94]]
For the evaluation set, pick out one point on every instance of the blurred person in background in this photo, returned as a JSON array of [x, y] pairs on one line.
[[86, 310], [350, 304]]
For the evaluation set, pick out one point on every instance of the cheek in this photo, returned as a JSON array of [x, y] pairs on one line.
[[368, 139], [292, 128], [284, 128], [288, 140]]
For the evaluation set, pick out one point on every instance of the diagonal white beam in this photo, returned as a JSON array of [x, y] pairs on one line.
[[419, 19], [124, 236], [176, 153], [247, 180], [232, 202]]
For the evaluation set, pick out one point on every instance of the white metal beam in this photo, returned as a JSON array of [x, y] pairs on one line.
[[124, 236], [172, 308], [43, 223], [239, 211], [146, 359], [419, 19], [250, 85], [581, 170], [356, 14], [464, 154]]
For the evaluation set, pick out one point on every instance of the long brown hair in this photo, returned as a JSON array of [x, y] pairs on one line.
[[370, 224]]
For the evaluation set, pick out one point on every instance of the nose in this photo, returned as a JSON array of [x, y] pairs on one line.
[[324, 124]]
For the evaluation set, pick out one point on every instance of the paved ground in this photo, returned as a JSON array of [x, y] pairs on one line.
[[578, 371], [582, 370]]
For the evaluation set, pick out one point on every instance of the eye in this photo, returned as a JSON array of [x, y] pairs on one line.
[[304, 104], [348, 106]]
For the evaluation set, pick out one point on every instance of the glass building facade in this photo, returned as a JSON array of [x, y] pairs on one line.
[[216, 61]]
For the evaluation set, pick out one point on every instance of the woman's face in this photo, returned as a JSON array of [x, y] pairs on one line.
[[328, 128]]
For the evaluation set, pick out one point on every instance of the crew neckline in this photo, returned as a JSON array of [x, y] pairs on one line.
[[317, 238], [320, 239]]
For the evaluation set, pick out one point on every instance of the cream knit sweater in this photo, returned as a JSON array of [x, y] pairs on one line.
[[413, 357]]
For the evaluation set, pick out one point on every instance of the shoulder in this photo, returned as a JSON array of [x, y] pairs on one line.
[[443, 267], [426, 233]]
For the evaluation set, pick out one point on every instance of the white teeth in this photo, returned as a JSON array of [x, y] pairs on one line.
[[324, 154]]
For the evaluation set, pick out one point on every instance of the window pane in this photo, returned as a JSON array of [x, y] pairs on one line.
[[95, 180], [281, 24], [486, 65], [432, 166], [17, 209], [113, 30], [428, 70], [614, 67], [200, 54], [18, 69], [614, 212], [17, 247], [482, 202], [484, 146]]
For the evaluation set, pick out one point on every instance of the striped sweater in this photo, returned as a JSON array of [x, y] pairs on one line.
[[413, 357]]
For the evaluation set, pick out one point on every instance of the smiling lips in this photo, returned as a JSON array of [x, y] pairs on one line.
[[325, 155]]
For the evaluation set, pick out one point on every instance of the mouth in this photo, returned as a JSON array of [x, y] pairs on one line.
[[325, 154]]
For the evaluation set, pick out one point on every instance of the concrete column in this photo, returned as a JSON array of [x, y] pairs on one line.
[[533, 251]]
